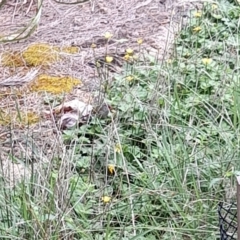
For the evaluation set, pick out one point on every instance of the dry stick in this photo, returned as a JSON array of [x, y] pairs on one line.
[[29, 7], [19, 80]]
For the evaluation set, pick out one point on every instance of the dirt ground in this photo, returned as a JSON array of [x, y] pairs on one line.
[[78, 25], [85, 23]]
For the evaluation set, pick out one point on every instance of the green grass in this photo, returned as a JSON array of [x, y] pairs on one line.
[[173, 140]]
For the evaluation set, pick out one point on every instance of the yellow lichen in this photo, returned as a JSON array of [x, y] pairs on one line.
[[71, 50], [13, 59], [39, 54], [30, 118], [5, 119], [53, 84], [20, 119]]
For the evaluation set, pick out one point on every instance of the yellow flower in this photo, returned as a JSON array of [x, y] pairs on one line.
[[106, 199], [93, 45], [140, 41], [197, 29], [109, 59], [98, 64], [198, 14], [129, 51], [129, 78], [111, 168], [118, 148], [108, 35], [169, 61], [206, 61], [214, 6], [127, 57]]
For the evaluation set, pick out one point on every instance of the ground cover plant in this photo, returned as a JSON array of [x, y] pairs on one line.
[[162, 158]]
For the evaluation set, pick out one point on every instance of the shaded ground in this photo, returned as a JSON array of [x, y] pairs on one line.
[[77, 25]]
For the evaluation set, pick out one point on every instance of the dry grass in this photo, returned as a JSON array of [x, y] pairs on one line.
[[68, 27]]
